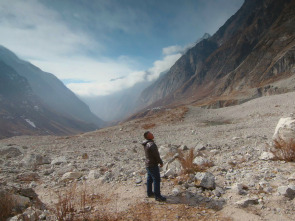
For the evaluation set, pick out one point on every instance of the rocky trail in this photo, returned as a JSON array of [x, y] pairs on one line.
[[104, 170]]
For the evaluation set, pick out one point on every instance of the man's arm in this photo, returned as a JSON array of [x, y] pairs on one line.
[[156, 154]]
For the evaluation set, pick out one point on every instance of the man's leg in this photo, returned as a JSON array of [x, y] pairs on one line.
[[155, 175], [149, 183]]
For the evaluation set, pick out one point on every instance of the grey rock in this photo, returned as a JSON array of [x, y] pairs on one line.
[[199, 147], [94, 174], [205, 180], [183, 147], [200, 161], [59, 160], [287, 191], [35, 160], [246, 202], [71, 176], [138, 180]]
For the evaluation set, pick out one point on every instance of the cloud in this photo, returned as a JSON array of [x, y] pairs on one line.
[[33, 31], [172, 50], [104, 88]]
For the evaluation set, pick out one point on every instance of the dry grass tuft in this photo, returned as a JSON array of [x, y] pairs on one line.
[[284, 150], [7, 205], [186, 161]]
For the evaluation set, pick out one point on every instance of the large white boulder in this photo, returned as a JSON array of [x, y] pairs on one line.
[[285, 129]]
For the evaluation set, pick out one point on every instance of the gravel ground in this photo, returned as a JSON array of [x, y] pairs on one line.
[[233, 139]]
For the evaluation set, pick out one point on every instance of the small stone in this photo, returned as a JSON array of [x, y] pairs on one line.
[[200, 161], [183, 147], [175, 192], [71, 176], [138, 180], [246, 202], [267, 156]]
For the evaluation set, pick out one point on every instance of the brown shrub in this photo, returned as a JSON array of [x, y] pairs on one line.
[[7, 205], [284, 150], [186, 161]]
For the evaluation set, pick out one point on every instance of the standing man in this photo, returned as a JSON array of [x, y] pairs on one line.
[[152, 162]]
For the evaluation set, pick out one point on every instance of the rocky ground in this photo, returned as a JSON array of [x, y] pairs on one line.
[[105, 168]]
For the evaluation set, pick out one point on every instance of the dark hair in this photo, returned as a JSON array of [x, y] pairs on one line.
[[145, 134]]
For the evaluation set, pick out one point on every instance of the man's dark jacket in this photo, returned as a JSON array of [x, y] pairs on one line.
[[151, 154]]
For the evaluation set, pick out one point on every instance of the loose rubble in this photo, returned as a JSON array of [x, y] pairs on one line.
[[234, 143]]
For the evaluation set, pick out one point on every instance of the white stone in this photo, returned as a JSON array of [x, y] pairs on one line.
[[169, 172], [200, 161], [71, 176], [239, 188], [267, 156], [285, 129], [175, 192], [200, 147], [94, 174], [59, 160], [183, 147]]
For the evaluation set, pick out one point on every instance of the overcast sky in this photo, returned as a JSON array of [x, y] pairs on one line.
[[97, 47]]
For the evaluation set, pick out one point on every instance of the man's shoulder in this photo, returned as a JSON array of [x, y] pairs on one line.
[[149, 143]]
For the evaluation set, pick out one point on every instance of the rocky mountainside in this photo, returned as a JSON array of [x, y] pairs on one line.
[[22, 112], [50, 90], [251, 55]]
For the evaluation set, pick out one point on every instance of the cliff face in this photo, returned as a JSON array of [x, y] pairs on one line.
[[244, 59]]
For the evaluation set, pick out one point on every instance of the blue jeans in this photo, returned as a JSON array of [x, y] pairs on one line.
[[153, 177]]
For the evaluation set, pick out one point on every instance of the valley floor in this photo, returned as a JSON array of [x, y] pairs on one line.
[[109, 165]]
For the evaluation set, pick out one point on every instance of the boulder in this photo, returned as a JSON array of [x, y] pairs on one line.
[[205, 180], [59, 160], [267, 156], [287, 191], [200, 161], [183, 147], [285, 129], [169, 172], [175, 192], [71, 176], [35, 160], [199, 147], [246, 202], [239, 189], [94, 174]]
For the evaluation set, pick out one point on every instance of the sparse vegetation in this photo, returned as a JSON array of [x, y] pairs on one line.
[[186, 161], [188, 167], [284, 150]]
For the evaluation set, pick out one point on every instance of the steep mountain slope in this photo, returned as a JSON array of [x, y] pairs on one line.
[[50, 90], [22, 112], [249, 56]]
